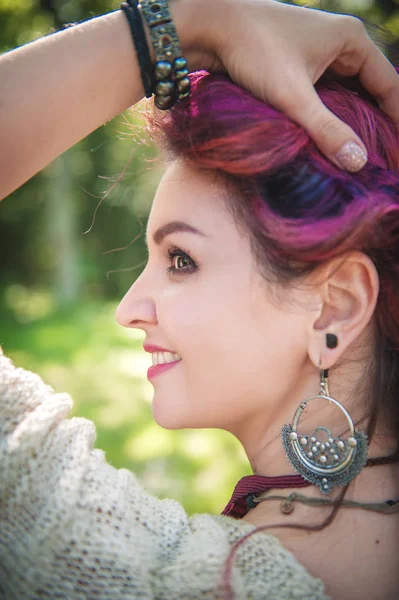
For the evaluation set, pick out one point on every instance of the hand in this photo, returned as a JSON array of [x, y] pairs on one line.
[[279, 51]]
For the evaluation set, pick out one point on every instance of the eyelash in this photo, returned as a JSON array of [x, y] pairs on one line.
[[172, 253]]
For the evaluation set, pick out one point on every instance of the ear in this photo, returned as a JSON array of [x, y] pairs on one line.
[[348, 292]]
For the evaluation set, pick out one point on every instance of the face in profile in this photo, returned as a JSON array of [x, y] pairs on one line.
[[201, 296]]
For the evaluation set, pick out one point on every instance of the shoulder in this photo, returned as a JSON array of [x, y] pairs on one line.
[[262, 566]]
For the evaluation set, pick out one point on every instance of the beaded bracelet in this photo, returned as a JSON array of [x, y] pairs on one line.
[[171, 67]]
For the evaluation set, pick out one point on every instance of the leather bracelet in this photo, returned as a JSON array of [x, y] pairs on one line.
[[130, 8]]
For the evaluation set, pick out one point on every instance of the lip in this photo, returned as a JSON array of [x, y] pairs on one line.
[[150, 348], [158, 369]]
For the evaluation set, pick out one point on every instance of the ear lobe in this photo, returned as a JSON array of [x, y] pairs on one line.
[[349, 295]]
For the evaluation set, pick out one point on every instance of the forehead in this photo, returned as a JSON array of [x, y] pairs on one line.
[[195, 197], [199, 199]]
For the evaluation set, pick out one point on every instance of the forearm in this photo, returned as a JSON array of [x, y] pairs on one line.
[[58, 89]]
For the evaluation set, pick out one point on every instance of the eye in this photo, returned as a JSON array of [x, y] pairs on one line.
[[181, 262]]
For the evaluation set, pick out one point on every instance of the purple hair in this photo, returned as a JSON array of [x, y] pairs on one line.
[[299, 208]]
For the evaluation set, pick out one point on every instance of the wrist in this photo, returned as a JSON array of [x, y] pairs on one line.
[[198, 28], [183, 13], [195, 22]]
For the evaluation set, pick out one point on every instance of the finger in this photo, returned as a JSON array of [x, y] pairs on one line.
[[380, 78], [333, 137], [361, 57]]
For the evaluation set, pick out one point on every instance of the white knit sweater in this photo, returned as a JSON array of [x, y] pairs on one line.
[[74, 527]]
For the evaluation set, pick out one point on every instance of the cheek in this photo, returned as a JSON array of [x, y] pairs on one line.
[[233, 368], [217, 341], [239, 354], [204, 329]]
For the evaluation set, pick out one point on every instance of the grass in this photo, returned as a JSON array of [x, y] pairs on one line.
[[84, 352]]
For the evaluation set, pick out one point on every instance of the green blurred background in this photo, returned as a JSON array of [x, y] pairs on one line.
[[60, 284]]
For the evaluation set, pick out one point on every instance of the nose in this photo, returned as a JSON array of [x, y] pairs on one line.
[[137, 307]]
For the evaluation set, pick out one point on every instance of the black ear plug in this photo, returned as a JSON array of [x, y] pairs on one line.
[[331, 340]]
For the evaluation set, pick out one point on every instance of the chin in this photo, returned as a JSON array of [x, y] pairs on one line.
[[165, 420]]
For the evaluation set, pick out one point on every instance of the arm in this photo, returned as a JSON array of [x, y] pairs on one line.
[[71, 525], [57, 90]]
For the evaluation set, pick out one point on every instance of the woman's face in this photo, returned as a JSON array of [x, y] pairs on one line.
[[202, 297]]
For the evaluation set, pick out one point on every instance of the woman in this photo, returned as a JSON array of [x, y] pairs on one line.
[[269, 268]]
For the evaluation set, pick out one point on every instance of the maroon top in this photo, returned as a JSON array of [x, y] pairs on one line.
[[242, 499]]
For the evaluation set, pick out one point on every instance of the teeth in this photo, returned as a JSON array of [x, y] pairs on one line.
[[162, 358]]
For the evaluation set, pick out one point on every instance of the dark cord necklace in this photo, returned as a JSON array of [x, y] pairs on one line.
[[389, 507], [249, 486]]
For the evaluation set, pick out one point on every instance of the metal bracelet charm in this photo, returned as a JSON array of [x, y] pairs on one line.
[[171, 67]]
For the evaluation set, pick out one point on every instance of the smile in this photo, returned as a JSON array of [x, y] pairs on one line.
[[159, 368], [163, 358]]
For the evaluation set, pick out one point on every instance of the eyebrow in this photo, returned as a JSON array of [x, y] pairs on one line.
[[173, 227]]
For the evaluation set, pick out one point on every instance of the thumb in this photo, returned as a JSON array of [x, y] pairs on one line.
[[333, 137]]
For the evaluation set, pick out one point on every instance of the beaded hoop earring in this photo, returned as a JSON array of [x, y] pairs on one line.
[[321, 458]]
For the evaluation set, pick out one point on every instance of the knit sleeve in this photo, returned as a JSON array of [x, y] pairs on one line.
[[71, 525], [74, 527]]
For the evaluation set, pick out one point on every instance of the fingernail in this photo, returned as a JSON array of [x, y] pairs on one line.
[[352, 157]]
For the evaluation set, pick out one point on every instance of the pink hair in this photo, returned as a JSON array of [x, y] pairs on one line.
[[321, 211], [300, 209]]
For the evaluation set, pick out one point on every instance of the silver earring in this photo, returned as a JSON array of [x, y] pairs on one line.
[[320, 458]]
